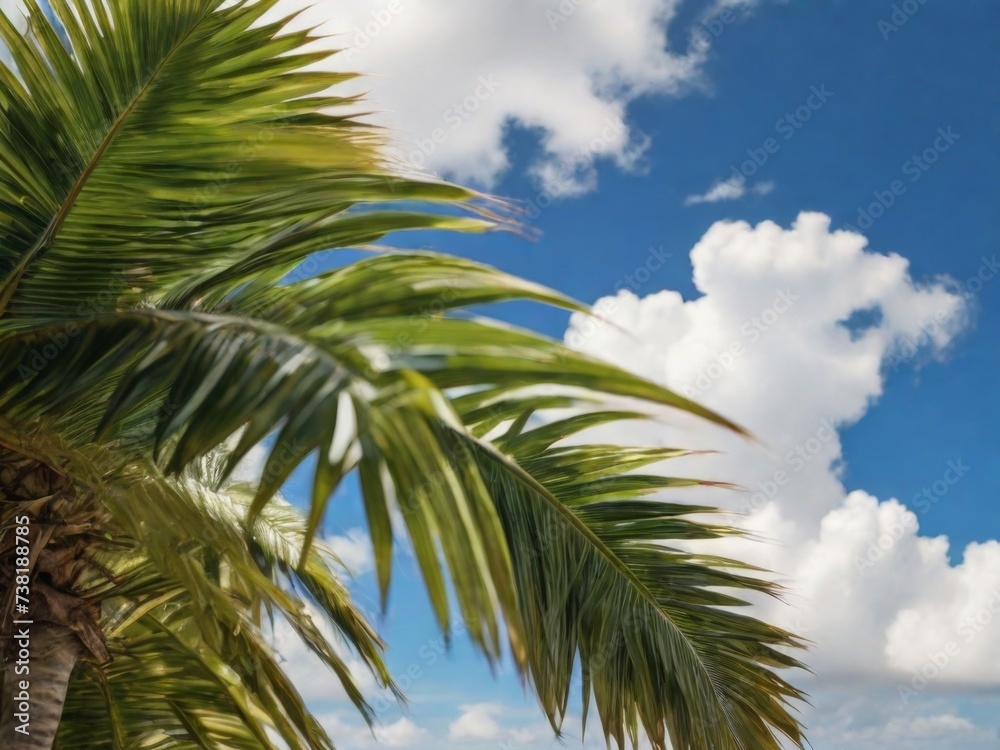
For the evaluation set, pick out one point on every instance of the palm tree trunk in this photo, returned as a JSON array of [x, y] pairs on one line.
[[54, 651]]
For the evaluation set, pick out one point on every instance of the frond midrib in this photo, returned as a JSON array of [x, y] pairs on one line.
[[10, 284], [617, 564]]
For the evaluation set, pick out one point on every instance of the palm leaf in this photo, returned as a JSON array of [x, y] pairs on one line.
[[185, 626], [165, 168], [225, 161], [654, 627]]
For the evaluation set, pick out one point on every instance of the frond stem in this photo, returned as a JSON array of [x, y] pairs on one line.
[[13, 279]]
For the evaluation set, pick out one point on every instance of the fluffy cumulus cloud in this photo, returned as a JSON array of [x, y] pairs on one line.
[[792, 336], [476, 722], [348, 733], [486, 722], [564, 69]]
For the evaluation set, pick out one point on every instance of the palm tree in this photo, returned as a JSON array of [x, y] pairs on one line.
[[170, 170]]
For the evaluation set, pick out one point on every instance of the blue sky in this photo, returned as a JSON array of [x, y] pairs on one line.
[[841, 102]]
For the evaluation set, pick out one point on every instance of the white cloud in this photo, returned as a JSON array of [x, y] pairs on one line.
[[867, 721], [776, 343], [354, 550], [347, 733], [931, 727], [476, 722], [729, 190], [251, 466], [565, 69], [401, 733], [15, 10], [481, 722]]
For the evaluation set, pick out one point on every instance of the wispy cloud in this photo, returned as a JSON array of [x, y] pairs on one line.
[[730, 190]]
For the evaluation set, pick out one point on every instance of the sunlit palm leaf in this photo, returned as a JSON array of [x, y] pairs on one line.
[[196, 122], [652, 626], [165, 167], [186, 627]]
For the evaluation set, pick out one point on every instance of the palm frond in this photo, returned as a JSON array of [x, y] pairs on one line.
[[165, 167], [609, 589], [224, 159], [200, 378], [187, 612]]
